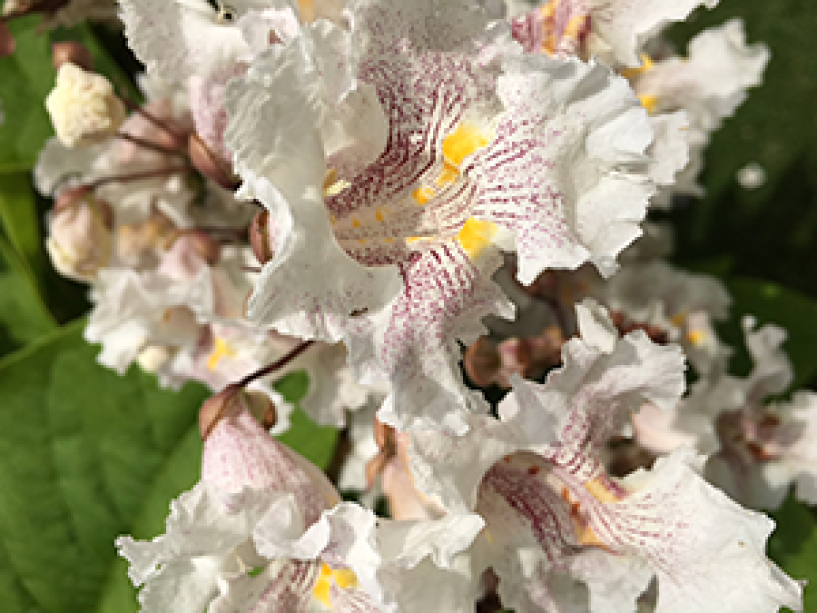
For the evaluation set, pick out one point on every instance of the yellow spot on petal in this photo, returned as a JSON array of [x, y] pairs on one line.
[[307, 9], [678, 319], [355, 223], [332, 186], [449, 174], [600, 491], [221, 349], [342, 577], [462, 142], [696, 337], [476, 235], [422, 195], [649, 102], [575, 26], [646, 65], [380, 215]]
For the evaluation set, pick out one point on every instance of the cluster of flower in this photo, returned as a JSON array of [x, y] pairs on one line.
[[443, 198]]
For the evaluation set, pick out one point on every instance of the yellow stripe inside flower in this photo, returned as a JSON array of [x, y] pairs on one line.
[[342, 577], [475, 235], [464, 141], [221, 350], [696, 337], [649, 102], [584, 532], [646, 66]]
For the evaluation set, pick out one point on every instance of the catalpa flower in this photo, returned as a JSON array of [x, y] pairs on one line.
[[475, 146], [262, 531], [552, 512]]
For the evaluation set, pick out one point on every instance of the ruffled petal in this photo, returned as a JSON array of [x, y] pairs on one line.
[[557, 172]]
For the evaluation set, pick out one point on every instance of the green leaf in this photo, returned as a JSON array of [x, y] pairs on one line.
[[23, 316], [793, 546], [315, 443], [18, 213], [26, 77], [771, 303], [85, 455]]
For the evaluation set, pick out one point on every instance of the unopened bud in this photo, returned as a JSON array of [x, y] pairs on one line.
[[482, 362], [210, 165], [71, 52], [83, 107], [262, 408], [218, 407], [201, 242], [80, 240], [259, 237], [7, 43]]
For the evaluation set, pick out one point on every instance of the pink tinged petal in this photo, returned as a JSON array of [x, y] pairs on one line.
[[239, 453], [557, 27], [593, 394], [289, 589], [352, 601], [413, 342], [552, 177], [707, 552]]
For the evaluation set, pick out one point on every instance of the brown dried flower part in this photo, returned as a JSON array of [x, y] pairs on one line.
[[230, 402], [259, 237], [482, 362], [386, 439], [71, 52], [625, 326]]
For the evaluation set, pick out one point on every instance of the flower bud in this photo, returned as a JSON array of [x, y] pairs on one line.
[[80, 240], [7, 43], [218, 407], [262, 408], [71, 52], [259, 237], [83, 107], [208, 164], [482, 362]]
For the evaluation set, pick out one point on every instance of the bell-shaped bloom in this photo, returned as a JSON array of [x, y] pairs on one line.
[[262, 531], [481, 147], [553, 515]]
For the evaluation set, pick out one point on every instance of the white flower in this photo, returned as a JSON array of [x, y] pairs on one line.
[[263, 531]]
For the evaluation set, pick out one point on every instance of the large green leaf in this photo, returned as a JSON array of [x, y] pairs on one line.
[[23, 316], [794, 546], [26, 77], [85, 455]]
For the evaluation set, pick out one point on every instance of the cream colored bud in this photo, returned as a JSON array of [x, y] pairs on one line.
[[83, 107], [80, 241], [153, 357]]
